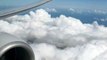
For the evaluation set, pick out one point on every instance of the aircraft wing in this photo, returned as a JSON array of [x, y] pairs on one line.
[[11, 12]]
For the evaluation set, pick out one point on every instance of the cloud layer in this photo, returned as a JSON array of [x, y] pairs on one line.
[[60, 38]]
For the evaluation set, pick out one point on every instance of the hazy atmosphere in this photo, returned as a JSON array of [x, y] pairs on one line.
[[62, 29]]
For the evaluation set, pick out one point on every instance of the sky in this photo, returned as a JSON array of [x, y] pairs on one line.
[[81, 4]]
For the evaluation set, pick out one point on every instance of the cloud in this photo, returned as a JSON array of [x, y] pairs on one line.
[[94, 50], [71, 9], [60, 38], [50, 9], [100, 11]]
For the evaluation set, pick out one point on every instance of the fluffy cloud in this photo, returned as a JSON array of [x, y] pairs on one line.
[[60, 38], [94, 50]]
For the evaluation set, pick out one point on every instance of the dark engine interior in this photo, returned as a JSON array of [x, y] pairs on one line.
[[17, 53]]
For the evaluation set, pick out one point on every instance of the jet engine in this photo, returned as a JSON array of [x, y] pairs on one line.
[[13, 48]]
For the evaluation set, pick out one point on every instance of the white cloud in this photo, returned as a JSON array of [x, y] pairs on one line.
[[100, 11], [48, 33], [104, 20], [50, 9], [71, 9]]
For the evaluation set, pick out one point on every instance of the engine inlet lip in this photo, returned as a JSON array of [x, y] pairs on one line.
[[16, 44]]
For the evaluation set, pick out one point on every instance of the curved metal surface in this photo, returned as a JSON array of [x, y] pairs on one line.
[[9, 42], [21, 9]]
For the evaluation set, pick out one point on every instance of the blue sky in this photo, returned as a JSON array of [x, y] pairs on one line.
[[81, 4]]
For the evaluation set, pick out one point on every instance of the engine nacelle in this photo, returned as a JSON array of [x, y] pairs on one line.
[[13, 48]]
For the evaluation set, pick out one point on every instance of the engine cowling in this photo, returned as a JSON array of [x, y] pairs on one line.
[[13, 48]]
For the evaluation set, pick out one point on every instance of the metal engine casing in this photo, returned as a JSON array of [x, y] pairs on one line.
[[14, 48]]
